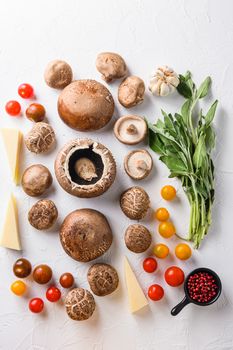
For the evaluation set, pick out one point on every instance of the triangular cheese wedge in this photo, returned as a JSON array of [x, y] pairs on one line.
[[137, 299], [13, 139], [10, 234]]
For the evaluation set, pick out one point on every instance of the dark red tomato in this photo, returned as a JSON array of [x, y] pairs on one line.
[[155, 292], [150, 265], [174, 276], [66, 280], [25, 91], [13, 108], [53, 294], [36, 305]]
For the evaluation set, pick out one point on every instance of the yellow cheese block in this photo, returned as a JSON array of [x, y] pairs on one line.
[[13, 139], [10, 234], [137, 299]]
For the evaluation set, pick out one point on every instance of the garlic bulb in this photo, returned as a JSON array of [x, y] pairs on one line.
[[164, 81]]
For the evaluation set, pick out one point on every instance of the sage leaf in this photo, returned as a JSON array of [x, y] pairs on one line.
[[184, 89], [174, 164], [185, 110], [200, 152], [204, 88], [210, 114]]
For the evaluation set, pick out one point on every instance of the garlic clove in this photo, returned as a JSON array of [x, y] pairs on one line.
[[173, 80], [164, 89]]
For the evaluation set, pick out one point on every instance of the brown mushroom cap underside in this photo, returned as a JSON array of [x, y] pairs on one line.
[[85, 234], [137, 238], [103, 279], [85, 105], [130, 129], [98, 185], [138, 164], [80, 304]]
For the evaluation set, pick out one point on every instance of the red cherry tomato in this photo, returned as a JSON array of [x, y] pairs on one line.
[[155, 292], [53, 294], [36, 305], [150, 265], [25, 91], [13, 108], [174, 276]]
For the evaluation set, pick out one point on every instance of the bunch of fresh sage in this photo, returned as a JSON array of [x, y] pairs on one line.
[[184, 142]]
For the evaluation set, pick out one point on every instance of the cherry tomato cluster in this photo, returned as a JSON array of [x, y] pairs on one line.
[[41, 274], [35, 112], [174, 275]]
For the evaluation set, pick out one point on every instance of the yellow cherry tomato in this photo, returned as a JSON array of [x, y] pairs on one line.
[[168, 192], [167, 229], [162, 214], [161, 250], [18, 287], [183, 251]]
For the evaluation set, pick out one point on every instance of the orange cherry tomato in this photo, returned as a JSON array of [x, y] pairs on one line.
[[183, 251], [168, 192], [18, 287], [167, 229], [162, 214], [161, 251]]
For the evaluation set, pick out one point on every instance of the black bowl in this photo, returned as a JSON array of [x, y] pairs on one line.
[[187, 299]]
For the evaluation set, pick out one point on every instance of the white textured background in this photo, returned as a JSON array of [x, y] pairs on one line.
[[184, 34]]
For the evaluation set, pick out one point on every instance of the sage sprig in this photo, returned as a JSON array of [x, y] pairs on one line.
[[184, 142]]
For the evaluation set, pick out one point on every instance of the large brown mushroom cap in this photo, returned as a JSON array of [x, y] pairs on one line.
[[85, 168], [85, 234], [103, 279], [80, 304], [135, 203], [85, 105]]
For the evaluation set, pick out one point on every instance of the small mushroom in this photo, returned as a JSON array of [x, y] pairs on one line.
[[131, 91], [85, 105], [58, 74], [80, 304], [111, 66], [36, 180], [85, 234], [138, 164], [103, 279], [135, 203], [85, 168], [43, 214], [130, 129], [40, 139], [137, 238]]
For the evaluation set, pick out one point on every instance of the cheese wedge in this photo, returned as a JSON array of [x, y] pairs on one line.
[[13, 140], [10, 234], [137, 299]]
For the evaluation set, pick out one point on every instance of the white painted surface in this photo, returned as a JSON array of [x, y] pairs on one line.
[[184, 34]]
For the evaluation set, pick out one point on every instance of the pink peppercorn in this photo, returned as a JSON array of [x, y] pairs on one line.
[[202, 287]]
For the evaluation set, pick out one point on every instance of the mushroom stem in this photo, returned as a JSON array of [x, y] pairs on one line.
[[131, 129], [141, 164], [85, 169]]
